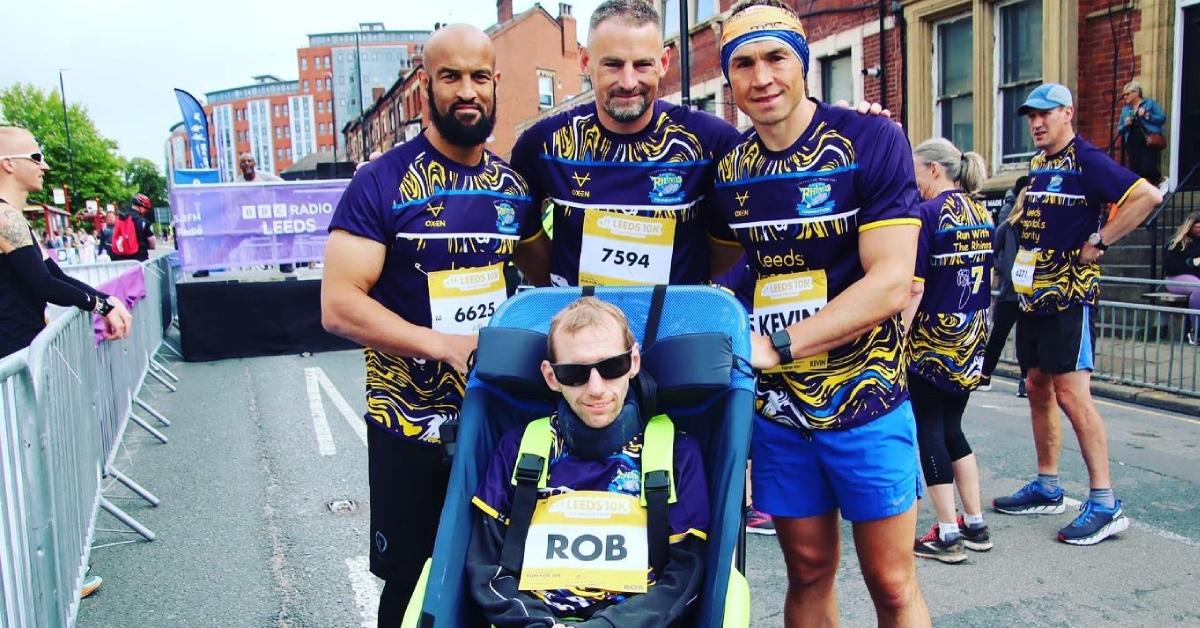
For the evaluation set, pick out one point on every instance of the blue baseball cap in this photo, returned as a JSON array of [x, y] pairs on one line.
[[1045, 97]]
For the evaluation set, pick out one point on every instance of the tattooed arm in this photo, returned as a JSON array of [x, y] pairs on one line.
[[35, 272], [14, 229]]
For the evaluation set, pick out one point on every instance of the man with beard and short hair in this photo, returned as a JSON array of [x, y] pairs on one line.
[[627, 174], [415, 226]]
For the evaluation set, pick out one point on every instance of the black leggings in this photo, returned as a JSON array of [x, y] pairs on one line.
[[1004, 316], [939, 429]]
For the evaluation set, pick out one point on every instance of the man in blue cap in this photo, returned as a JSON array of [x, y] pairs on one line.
[[1079, 202]]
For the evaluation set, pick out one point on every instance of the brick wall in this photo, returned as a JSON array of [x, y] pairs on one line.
[[532, 42], [821, 19], [1098, 100]]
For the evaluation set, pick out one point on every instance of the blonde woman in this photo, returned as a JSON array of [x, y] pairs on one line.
[[948, 329], [1182, 263], [1007, 304]]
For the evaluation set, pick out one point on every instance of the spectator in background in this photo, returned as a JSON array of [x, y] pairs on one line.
[[104, 247], [1182, 263], [1140, 119], [138, 206], [1006, 306], [248, 171]]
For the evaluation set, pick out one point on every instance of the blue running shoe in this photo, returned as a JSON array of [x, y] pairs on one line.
[[1094, 524], [1031, 499]]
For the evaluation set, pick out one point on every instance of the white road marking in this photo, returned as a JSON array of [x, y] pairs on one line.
[[356, 422], [366, 590], [320, 424], [1073, 504]]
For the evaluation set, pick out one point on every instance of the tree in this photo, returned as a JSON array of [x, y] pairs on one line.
[[141, 175], [99, 170]]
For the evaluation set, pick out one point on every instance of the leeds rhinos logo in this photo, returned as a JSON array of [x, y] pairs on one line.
[[666, 187], [506, 218], [1055, 185], [814, 199]]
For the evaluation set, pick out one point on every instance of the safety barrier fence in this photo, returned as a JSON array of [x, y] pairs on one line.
[[1144, 345], [65, 404]]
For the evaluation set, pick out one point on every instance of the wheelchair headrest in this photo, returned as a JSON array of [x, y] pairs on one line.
[[686, 369]]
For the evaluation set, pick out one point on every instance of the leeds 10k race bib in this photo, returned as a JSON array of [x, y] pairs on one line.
[[587, 539], [623, 249], [463, 300], [1022, 271], [782, 300]]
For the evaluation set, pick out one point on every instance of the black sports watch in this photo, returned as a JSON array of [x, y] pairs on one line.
[[103, 307], [782, 341], [1097, 241]]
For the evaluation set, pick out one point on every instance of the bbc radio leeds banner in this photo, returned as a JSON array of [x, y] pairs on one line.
[[238, 225]]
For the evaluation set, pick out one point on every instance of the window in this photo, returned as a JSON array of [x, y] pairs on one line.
[[320, 85], [326, 60], [545, 90], [698, 11], [1019, 70], [670, 18], [706, 103], [287, 131], [328, 83], [954, 102], [306, 85], [303, 63], [836, 80]]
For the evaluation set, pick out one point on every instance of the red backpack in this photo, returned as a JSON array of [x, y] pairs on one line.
[[125, 238]]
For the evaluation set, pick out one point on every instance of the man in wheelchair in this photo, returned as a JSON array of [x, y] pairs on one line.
[[596, 516]]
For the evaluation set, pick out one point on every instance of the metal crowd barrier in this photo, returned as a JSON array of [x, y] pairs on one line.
[[1147, 346], [65, 404]]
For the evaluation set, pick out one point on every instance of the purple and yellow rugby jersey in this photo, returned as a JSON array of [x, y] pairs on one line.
[[954, 260], [628, 209], [798, 214], [449, 230], [1068, 196], [618, 473]]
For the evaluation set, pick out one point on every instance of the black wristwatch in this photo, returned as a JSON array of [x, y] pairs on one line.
[[782, 341], [1097, 241], [103, 307]]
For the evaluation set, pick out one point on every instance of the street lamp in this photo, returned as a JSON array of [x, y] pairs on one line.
[[67, 127]]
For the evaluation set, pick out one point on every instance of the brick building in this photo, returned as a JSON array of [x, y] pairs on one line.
[[843, 40], [280, 122], [537, 56], [258, 119], [176, 149], [395, 117], [328, 71], [949, 64]]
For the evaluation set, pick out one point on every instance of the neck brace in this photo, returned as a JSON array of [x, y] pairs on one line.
[[597, 444]]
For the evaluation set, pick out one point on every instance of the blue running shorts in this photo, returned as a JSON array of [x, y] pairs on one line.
[[870, 472]]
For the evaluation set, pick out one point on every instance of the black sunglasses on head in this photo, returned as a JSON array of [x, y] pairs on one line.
[[609, 368]]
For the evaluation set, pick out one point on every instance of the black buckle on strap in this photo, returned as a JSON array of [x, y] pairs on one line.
[[657, 482], [529, 469]]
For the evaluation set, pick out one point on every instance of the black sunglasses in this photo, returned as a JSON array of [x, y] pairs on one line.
[[609, 368]]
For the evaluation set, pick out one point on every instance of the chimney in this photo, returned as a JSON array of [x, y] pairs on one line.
[[503, 11], [377, 93], [570, 44]]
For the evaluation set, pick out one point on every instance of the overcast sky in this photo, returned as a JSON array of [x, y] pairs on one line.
[[123, 57]]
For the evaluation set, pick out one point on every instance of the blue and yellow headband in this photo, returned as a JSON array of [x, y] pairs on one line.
[[760, 23]]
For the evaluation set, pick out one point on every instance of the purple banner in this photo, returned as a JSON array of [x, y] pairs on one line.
[[236, 225]]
